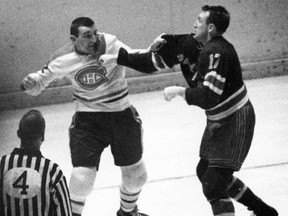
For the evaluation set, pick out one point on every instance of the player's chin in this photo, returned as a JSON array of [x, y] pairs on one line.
[[196, 36], [90, 50]]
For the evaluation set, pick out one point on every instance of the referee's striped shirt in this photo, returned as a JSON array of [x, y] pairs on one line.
[[31, 185]]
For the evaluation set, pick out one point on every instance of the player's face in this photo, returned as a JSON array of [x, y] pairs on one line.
[[86, 40], [201, 27]]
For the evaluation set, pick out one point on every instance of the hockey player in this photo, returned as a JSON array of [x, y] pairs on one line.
[[222, 93], [103, 114]]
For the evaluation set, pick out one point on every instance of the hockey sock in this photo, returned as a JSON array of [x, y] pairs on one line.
[[81, 185], [128, 200], [242, 194], [133, 178], [77, 204]]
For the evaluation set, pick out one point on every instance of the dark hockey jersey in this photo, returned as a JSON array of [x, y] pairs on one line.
[[222, 90]]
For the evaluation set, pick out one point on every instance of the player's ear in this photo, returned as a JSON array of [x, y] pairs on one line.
[[72, 38], [212, 29]]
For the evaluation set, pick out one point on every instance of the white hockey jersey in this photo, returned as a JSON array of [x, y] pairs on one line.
[[96, 87]]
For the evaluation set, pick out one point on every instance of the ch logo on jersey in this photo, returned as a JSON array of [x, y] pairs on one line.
[[22, 182], [91, 77]]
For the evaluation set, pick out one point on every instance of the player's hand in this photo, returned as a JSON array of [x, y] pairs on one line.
[[28, 83], [173, 91], [107, 59], [157, 43]]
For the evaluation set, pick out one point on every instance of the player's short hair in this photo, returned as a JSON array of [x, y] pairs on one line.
[[219, 16], [80, 21], [32, 125]]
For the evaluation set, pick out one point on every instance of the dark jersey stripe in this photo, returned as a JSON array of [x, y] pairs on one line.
[[11, 160], [43, 186], [28, 162], [17, 206], [37, 164], [26, 207], [8, 205], [19, 161], [118, 98], [35, 205]]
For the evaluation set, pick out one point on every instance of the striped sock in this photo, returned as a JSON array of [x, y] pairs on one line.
[[237, 189], [77, 203], [242, 194], [127, 199]]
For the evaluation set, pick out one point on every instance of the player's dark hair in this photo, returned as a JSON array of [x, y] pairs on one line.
[[31, 126], [80, 21], [219, 16]]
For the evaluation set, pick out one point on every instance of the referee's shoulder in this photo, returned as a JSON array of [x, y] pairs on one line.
[[54, 168]]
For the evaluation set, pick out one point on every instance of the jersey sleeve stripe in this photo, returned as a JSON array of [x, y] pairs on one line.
[[59, 176], [64, 195], [52, 174], [215, 82], [158, 62], [61, 198]]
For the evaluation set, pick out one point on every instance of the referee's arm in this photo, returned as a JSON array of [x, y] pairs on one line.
[[62, 198]]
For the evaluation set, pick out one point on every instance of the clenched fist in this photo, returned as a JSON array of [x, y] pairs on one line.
[[173, 91], [28, 83]]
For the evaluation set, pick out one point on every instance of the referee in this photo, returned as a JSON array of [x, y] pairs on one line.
[[31, 185]]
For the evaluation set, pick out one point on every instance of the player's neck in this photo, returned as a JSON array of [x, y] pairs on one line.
[[31, 145]]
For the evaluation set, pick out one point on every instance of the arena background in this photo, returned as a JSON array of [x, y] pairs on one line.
[[32, 30]]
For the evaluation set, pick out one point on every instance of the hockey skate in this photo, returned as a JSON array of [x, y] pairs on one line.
[[135, 212]]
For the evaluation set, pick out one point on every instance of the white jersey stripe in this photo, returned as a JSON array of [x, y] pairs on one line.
[[213, 88], [215, 82]]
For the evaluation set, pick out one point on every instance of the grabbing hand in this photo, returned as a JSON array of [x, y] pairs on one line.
[[107, 59], [173, 91], [157, 43]]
